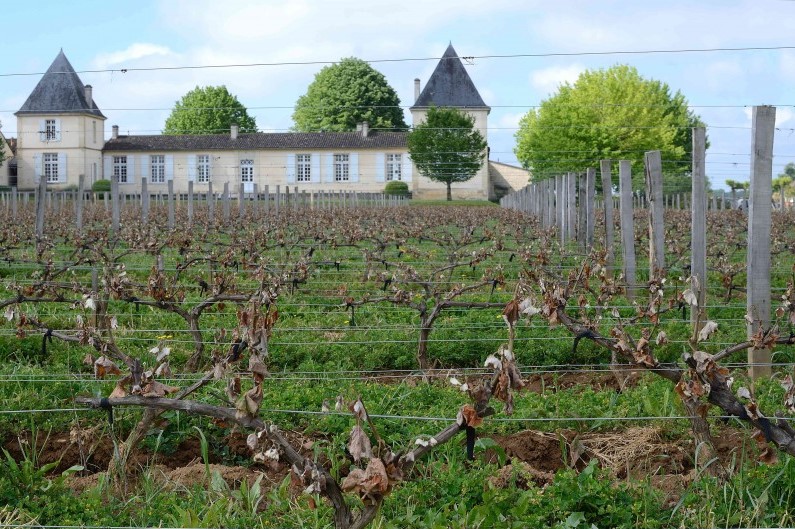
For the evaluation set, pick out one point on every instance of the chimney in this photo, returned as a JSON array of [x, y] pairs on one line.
[[115, 134], [416, 89], [89, 96], [233, 131], [365, 129]]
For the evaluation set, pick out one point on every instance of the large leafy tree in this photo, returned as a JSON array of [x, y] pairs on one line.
[[447, 148], [612, 114], [346, 93], [208, 110]]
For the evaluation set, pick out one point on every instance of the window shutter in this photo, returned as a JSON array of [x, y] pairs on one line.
[[315, 168], [37, 167], [62, 167], [144, 167], [57, 130], [130, 169], [329, 167], [354, 168], [290, 168], [405, 171], [380, 167], [191, 167], [107, 167], [169, 159]]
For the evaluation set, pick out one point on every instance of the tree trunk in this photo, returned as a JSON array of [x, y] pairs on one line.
[[422, 346], [449, 192], [705, 454], [117, 468]]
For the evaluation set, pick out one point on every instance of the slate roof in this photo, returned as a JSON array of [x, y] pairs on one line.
[[259, 140], [59, 91], [450, 85]]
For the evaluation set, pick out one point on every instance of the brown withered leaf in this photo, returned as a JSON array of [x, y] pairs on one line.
[[370, 484], [511, 312], [89, 359], [120, 391], [258, 368], [471, 416], [104, 366], [359, 444], [233, 388], [157, 389], [249, 403]]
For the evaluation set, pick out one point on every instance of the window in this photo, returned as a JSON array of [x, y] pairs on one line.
[[50, 130], [303, 167], [158, 168], [203, 168], [393, 163], [51, 167], [342, 167], [120, 169], [246, 170]]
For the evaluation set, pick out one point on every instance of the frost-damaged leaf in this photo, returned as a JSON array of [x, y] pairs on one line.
[[471, 416], [493, 362], [789, 395], [743, 393], [511, 313], [104, 366], [370, 484], [9, 313], [359, 444], [164, 352], [526, 307], [251, 441], [258, 368], [359, 410], [708, 330], [249, 403], [157, 389], [89, 303], [163, 370], [233, 388], [767, 454], [121, 390], [662, 338], [690, 298]]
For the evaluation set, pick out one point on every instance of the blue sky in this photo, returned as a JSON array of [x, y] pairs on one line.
[[721, 86]]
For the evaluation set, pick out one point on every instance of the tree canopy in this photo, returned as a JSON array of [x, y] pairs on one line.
[[208, 110], [346, 93], [610, 114], [447, 148]]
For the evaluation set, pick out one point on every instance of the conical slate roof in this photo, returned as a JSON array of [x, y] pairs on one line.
[[60, 91], [450, 85]]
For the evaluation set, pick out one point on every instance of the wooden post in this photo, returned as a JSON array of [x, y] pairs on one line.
[[607, 193], [81, 182], [656, 212], [14, 202], [627, 225], [571, 206], [227, 205], [560, 210], [190, 202], [171, 214], [114, 198], [144, 200], [277, 200], [241, 200], [763, 122], [41, 193], [582, 223], [267, 194], [698, 223], [210, 203], [255, 200], [590, 213]]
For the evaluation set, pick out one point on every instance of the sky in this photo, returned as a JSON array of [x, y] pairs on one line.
[[549, 43]]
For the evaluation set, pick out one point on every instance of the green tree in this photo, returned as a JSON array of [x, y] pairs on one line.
[[611, 114], [447, 148], [346, 93], [208, 110]]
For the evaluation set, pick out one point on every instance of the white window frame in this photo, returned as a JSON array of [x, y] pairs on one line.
[[247, 171], [120, 169], [157, 168], [303, 168], [50, 167], [394, 167], [50, 130], [342, 167], [203, 168]]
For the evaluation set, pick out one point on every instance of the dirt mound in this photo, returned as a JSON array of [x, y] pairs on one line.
[[521, 475], [540, 450]]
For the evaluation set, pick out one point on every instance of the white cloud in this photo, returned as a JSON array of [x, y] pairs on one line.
[[548, 80], [783, 115], [134, 52]]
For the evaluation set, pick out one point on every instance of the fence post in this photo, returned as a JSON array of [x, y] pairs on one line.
[[590, 213], [698, 222], [656, 212], [81, 182], [171, 206], [227, 205], [763, 124], [114, 200], [41, 192], [607, 193], [267, 193], [14, 202], [627, 225], [190, 202], [241, 202], [581, 211]]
